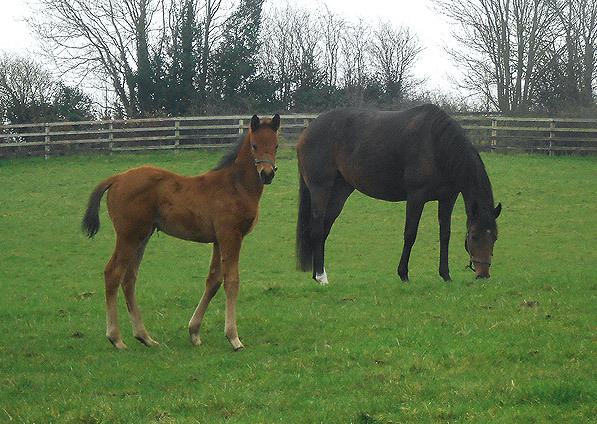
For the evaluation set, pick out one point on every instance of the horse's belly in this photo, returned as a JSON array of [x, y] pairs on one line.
[[390, 193], [186, 227]]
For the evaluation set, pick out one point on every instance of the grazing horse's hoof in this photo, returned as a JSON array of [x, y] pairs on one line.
[[322, 279]]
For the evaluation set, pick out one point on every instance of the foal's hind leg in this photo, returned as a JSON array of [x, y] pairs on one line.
[[128, 288], [212, 284], [114, 273]]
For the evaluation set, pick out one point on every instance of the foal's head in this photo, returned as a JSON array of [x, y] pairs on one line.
[[263, 136], [480, 237]]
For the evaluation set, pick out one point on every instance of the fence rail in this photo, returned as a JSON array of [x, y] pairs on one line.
[[544, 135]]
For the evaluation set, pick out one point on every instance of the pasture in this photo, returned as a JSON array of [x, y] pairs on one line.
[[519, 347]]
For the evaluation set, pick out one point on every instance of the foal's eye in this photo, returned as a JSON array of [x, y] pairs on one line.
[[254, 146], [276, 147]]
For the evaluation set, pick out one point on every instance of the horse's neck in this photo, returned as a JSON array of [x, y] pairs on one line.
[[477, 189], [244, 172]]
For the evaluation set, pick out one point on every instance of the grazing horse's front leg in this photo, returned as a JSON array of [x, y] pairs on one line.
[[212, 284], [414, 209], [444, 215], [230, 244]]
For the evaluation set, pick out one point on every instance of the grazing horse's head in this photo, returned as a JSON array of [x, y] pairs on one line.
[[264, 144], [480, 237]]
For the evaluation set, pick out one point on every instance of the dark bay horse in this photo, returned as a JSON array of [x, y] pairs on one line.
[[218, 207], [417, 155]]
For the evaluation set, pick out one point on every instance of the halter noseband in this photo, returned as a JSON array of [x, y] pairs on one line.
[[473, 260], [275, 168]]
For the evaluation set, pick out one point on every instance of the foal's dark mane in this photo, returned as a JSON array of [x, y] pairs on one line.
[[229, 158], [459, 159]]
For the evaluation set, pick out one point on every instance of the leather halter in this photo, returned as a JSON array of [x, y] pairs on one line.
[[473, 260], [275, 168]]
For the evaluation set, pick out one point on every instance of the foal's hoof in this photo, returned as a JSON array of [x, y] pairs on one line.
[[118, 344], [195, 339], [236, 344], [147, 341]]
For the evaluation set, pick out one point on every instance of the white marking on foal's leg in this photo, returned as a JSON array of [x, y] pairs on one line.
[[322, 278]]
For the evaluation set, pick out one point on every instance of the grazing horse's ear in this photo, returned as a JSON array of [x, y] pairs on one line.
[[497, 210], [275, 124], [255, 123]]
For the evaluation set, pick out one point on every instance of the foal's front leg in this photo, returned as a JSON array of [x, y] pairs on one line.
[[230, 243], [212, 284]]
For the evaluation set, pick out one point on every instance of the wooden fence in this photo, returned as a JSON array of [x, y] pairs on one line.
[[544, 135]]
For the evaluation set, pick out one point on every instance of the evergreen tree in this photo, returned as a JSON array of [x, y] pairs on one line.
[[236, 58]]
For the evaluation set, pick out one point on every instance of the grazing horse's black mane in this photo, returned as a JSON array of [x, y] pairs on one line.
[[460, 161]]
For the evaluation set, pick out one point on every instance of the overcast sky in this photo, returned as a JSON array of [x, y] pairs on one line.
[[430, 27]]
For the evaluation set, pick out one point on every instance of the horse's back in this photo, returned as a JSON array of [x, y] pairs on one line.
[[383, 154]]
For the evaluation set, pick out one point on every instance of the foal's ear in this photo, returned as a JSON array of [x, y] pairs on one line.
[[497, 210], [255, 123], [275, 124]]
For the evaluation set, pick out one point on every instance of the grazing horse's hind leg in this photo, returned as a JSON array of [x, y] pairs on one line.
[[414, 208], [319, 202], [212, 284]]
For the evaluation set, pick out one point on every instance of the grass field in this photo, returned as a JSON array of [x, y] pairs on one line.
[[518, 348]]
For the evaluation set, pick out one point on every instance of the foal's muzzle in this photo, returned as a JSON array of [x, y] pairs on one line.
[[266, 178]]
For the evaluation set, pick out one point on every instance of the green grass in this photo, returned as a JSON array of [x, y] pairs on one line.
[[520, 347]]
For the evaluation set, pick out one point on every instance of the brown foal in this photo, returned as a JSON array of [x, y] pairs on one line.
[[219, 207]]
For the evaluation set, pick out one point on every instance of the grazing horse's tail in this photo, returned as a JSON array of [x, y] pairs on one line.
[[304, 245], [91, 221]]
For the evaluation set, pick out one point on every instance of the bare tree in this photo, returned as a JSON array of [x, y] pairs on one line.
[[577, 21], [394, 51], [504, 48], [355, 64], [102, 38], [332, 30], [211, 24], [26, 89]]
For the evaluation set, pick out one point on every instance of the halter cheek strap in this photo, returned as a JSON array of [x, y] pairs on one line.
[[473, 260], [266, 161]]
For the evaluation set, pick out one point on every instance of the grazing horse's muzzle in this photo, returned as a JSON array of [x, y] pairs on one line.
[[266, 177]]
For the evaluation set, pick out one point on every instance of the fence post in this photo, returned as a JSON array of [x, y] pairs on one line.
[[552, 135], [111, 136], [176, 136], [47, 141], [494, 134]]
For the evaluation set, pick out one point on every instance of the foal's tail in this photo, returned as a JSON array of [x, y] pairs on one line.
[[91, 221], [304, 246]]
